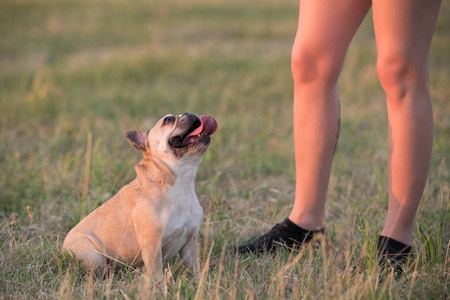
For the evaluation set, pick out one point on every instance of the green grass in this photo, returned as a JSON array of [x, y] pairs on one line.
[[73, 68]]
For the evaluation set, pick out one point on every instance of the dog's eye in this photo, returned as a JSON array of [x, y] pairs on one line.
[[168, 120]]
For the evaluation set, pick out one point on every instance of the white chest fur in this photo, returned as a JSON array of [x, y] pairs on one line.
[[185, 217]]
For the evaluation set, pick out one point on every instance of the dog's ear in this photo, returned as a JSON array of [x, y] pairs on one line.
[[136, 139]]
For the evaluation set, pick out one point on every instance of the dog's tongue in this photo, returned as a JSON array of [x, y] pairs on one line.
[[209, 126]]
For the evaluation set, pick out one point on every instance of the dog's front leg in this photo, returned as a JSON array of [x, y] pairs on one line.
[[149, 232], [152, 257], [154, 276], [189, 254]]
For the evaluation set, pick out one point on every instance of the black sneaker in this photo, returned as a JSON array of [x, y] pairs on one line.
[[393, 254], [285, 234]]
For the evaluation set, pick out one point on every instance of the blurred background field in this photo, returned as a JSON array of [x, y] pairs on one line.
[[74, 69]]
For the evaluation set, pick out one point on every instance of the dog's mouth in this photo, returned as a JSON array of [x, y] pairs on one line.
[[199, 130]]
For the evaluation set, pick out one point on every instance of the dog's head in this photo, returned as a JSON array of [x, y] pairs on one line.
[[175, 138]]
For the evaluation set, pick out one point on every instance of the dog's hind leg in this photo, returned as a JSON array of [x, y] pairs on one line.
[[87, 254]]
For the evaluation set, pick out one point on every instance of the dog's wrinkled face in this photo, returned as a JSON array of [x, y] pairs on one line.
[[176, 137]]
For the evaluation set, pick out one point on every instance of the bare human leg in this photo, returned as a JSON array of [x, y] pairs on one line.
[[325, 30], [403, 31]]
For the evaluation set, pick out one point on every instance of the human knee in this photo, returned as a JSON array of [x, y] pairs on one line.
[[309, 66], [400, 74]]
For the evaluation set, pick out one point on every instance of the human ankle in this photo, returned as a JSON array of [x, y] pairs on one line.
[[307, 223], [403, 237]]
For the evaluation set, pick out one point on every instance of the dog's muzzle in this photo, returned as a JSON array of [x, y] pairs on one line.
[[192, 129]]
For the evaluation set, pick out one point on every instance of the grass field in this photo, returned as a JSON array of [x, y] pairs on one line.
[[76, 75]]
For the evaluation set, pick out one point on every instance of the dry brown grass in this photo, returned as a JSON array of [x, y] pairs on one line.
[[69, 69]]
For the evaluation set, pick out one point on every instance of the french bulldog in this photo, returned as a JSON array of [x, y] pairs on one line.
[[157, 215]]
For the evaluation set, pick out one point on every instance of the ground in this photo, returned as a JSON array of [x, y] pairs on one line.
[[76, 75]]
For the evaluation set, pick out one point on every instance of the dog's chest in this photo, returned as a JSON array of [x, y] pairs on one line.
[[184, 222]]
